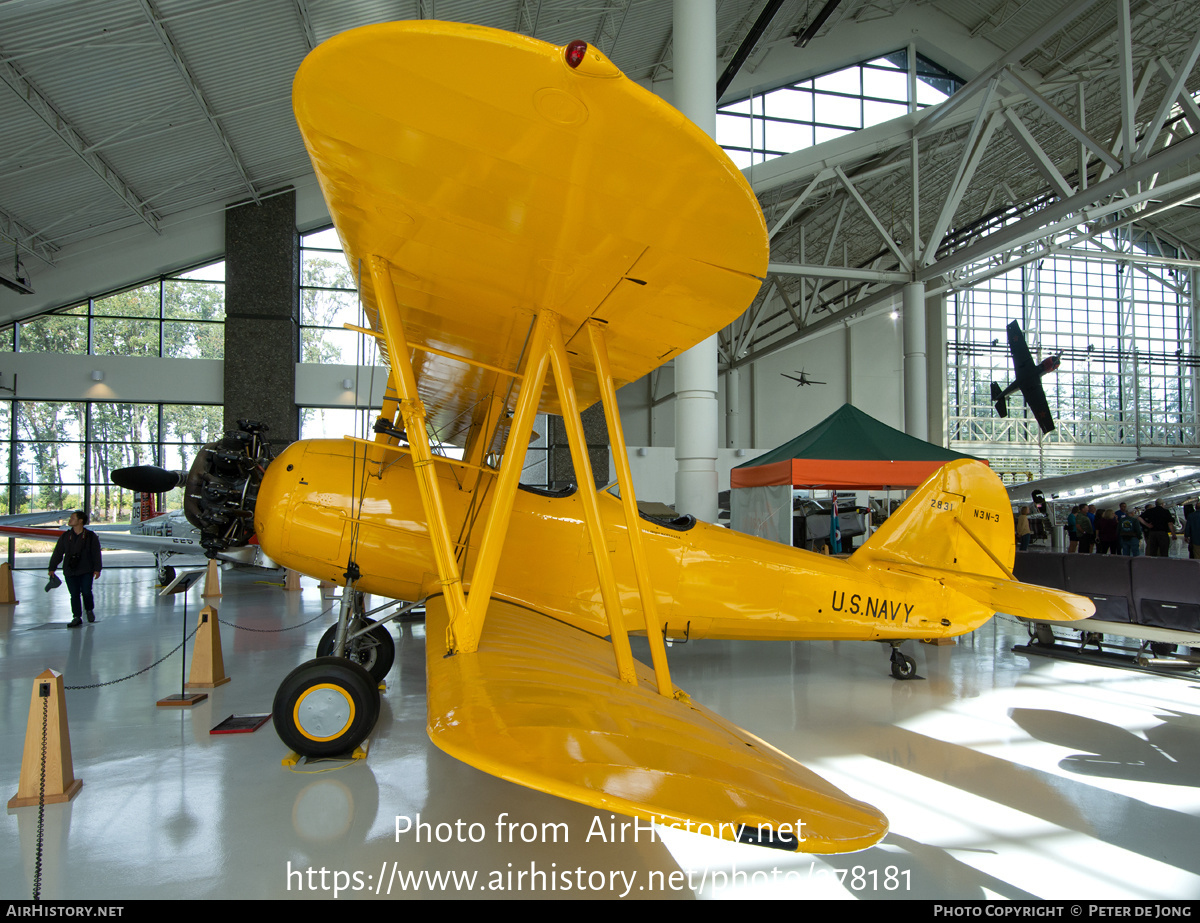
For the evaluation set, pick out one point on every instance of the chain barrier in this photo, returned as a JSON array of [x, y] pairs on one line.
[[113, 682], [274, 631], [37, 858]]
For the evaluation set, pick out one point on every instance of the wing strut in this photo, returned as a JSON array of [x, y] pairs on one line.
[[413, 412], [633, 528], [591, 508], [546, 351]]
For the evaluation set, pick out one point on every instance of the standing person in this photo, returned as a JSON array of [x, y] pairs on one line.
[[1072, 533], [1160, 526], [1107, 534], [1083, 525], [1191, 533], [81, 550], [1024, 529], [1130, 530]]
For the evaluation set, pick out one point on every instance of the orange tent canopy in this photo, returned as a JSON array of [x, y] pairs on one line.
[[847, 450]]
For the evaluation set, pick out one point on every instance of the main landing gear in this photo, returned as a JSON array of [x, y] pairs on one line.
[[374, 651], [326, 707], [329, 705]]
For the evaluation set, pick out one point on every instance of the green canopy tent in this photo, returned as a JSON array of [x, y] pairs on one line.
[[848, 450]]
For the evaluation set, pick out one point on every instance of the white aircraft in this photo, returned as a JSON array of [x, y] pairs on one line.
[[161, 533]]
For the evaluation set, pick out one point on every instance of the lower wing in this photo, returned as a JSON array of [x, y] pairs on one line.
[[540, 704]]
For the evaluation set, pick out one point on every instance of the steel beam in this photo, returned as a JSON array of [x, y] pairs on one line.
[[838, 272], [189, 79], [69, 134]]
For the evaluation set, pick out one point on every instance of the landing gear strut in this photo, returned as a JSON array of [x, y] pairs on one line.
[[371, 648]]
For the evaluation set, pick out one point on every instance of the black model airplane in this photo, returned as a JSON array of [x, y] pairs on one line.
[[1027, 378], [802, 380]]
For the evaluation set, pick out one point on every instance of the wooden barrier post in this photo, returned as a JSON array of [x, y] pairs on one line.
[[291, 583], [212, 580], [8, 595], [208, 665], [61, 784]]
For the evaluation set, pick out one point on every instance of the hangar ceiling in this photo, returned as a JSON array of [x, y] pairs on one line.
[[122, 115]]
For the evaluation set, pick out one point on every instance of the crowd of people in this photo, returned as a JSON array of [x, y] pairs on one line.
[[1122, 531]]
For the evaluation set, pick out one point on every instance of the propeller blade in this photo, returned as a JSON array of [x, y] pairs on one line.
[[148, 479]]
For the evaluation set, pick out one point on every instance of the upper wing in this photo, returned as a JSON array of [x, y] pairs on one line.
[[539, 704], [1022, 360], [498, 181]]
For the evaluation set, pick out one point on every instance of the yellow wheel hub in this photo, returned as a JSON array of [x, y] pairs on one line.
[[323, 712]]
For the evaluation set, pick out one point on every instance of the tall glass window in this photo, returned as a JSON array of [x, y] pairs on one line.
[[328, 300], [178, 316], [1123, 330], [59, 455]]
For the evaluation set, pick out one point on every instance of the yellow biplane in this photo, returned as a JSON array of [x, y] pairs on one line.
[[518, 211]]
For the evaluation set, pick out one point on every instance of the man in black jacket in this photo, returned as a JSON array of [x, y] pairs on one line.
[[80, 549]]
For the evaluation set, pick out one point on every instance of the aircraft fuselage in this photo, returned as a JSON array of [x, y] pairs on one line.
[[710, 582]]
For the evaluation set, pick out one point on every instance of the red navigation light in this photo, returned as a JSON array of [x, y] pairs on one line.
[[575, 52]]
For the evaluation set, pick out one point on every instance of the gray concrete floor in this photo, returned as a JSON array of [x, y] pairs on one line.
[[1002, 776]]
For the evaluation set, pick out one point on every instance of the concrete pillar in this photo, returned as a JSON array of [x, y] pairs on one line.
[[916, 384], [849, 362], [262, 315], [935, 367], [595, 430], [733, 398], [695, 59]]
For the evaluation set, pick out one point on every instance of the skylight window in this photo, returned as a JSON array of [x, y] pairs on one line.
[[789, 118]]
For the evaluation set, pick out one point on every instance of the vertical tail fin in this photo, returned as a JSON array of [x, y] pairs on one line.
[[960, 519], [143, 508], [960, 522]]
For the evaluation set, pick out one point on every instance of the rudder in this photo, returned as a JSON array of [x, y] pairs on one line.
[[948, 522]]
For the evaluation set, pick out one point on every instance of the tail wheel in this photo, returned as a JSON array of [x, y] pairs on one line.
[[375, 651], [326, 707], [903, 666]]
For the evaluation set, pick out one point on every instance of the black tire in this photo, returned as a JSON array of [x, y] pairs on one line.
[[904, 667], [166, 574], [1162, 648], [326, 707], [375, 651]]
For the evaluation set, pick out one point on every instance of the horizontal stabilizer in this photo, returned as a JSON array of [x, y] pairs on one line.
[[999, 400], [1010, 597], [540, 704]]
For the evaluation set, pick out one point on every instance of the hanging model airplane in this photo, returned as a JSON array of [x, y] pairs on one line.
[[802, 380], [514, 211], [1028, 379]]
